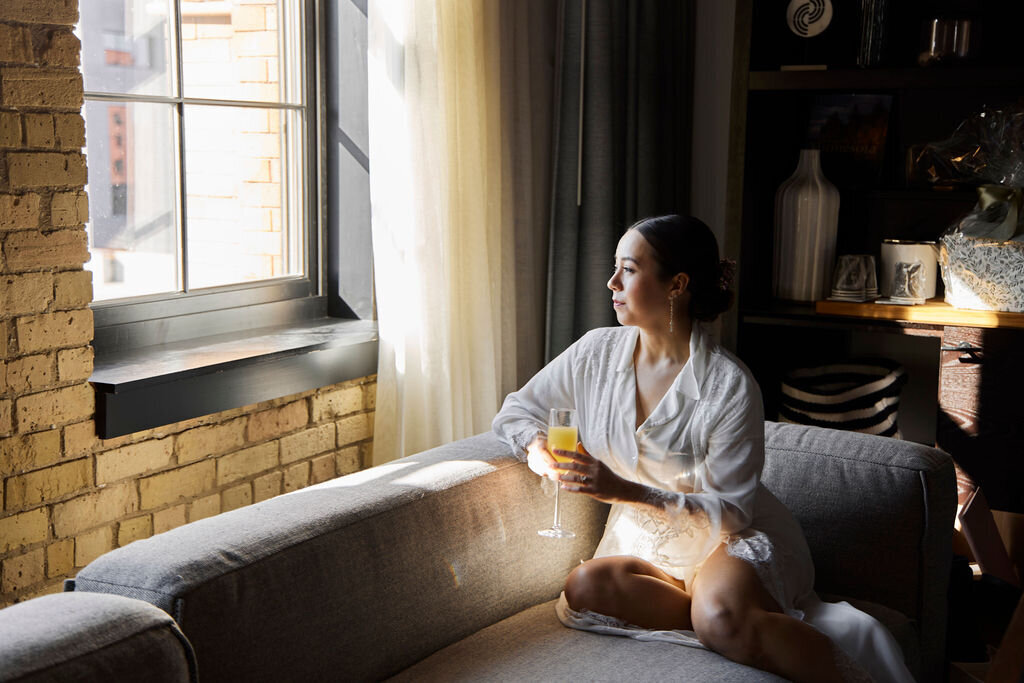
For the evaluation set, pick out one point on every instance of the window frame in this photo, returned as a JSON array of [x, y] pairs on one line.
[[167, 358], [122, 325]]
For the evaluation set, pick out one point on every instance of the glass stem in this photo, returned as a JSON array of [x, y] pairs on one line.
[[557, 524]]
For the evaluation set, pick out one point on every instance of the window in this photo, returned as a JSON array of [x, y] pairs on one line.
[[201, 127], [216, 254]]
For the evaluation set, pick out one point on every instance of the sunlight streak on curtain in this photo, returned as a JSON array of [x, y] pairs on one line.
[[442, 222]]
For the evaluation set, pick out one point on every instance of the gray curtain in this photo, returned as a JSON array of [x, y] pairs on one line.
[[623, 111], [527, 80]]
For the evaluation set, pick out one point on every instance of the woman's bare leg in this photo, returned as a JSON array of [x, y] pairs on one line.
[[735, 615], [630, 589]]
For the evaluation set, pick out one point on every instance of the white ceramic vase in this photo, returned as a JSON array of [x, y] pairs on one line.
[[806, 216]]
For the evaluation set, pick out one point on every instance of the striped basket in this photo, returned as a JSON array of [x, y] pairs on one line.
[[861, 395]]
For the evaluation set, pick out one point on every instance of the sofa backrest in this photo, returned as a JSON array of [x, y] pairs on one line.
[[878, 516], [359, 577]]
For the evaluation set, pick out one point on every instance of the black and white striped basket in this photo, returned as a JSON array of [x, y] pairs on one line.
[[860, 395]]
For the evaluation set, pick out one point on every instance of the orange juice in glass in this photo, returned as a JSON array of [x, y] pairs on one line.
[[562, 435], [563, 439]]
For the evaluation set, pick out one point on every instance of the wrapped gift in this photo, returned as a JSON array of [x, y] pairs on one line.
[[982, 255], [982, 273]]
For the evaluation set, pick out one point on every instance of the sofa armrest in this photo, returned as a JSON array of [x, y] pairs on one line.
[[878, 516], [361, 576], [91, 638]]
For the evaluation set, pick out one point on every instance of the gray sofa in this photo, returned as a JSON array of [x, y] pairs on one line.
[[430, 568], [91, 638]]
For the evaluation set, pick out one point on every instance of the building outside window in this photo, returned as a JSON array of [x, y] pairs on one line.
[[198, 125]]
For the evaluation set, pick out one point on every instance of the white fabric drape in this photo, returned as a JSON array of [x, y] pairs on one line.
[[442, 222]]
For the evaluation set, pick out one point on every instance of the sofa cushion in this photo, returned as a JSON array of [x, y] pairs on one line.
[[531, 646], [89, 637], [534, 646]]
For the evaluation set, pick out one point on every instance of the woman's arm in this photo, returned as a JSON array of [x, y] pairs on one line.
[[522, 420]]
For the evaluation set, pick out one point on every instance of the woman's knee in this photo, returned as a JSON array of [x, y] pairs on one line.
[[588, 585], [728, 628], [595, 584]]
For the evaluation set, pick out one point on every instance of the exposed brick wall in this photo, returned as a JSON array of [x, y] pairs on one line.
[[67, 496]]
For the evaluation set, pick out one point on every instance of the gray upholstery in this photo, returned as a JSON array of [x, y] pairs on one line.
[[878, 523], [367, 575], [371, 572], [534, 646], [91, 638]]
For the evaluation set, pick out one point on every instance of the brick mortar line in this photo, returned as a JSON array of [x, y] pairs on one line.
[[32, 24]]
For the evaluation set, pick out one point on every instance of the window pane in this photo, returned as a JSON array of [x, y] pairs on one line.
[[243, 212], [241, 50], [128, 46], [133, 210]]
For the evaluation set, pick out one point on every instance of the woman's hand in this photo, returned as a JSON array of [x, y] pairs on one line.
[[587, 475], [539, 459]]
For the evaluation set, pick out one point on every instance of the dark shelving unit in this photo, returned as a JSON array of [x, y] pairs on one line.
[[771, 112]]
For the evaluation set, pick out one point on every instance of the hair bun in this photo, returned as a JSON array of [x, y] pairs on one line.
[[727, 268]]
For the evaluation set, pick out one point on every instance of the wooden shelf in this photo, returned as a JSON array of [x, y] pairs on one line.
[[888, 78], [934, 312]]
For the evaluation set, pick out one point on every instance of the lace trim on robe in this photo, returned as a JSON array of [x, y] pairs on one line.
[[770, 563]]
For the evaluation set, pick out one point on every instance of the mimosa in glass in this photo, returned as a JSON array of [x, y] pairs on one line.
[[562, 435]]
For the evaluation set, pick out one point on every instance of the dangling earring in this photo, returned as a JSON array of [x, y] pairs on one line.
[[670, 313]]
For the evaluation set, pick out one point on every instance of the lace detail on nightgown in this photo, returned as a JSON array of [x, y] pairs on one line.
[[662, 528], [769, 561]]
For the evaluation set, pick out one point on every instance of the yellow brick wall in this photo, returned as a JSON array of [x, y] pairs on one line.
[[67, 496]]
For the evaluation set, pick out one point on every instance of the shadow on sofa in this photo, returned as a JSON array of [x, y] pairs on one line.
[[431, 567]]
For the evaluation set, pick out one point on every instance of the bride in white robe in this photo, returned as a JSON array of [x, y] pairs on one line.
[[679, 455]]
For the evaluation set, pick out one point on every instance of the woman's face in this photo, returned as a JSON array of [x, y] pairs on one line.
[[639, 294]]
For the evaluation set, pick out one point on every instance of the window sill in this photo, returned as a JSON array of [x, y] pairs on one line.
[[162, 384]]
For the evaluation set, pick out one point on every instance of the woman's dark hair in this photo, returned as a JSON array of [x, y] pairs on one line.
[[684, 244]]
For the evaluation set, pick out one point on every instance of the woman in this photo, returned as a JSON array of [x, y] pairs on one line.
[[672, 435]]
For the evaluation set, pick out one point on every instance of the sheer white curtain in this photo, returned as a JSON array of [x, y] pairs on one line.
[[443, 241]]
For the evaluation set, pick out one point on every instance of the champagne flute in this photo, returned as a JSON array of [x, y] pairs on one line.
[[562, 435]]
